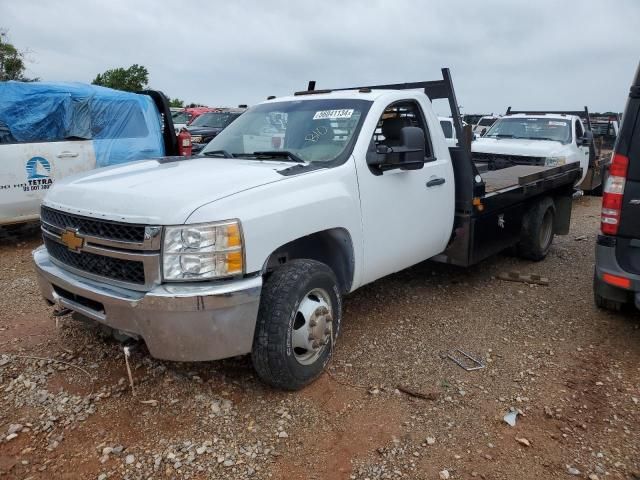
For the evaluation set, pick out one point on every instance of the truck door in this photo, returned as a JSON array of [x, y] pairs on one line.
[[584, 150], [407, 215], [29, 169]]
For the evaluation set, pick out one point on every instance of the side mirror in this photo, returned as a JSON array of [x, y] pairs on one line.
[[412, 151], [586, 139], [409, 155]]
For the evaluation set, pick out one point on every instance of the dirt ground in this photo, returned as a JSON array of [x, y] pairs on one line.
[[569, 370]]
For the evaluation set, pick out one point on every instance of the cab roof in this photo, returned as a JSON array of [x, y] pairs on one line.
[[545, 115], [356, 94]]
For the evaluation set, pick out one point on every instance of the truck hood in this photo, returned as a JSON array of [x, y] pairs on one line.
[[204, 130], [517, 146], [164, 191]]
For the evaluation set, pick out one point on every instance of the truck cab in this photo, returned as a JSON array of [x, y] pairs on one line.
[[534, 139]]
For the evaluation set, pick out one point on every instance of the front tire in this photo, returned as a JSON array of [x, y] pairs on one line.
[[298, 322]]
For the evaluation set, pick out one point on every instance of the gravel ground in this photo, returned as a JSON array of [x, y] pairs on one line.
[[568, 371]]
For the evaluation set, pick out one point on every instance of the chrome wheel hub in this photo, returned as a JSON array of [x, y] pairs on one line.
[[312, 327]]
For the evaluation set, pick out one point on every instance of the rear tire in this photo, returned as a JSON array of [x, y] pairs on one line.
[[603, 302], [606, 304], [298, 322], [537, 231]]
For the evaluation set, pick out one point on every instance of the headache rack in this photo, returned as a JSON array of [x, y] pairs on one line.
[[468, 182]]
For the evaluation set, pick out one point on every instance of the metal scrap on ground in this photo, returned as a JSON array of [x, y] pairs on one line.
[[422, 395], [463, 359], [518, 277]]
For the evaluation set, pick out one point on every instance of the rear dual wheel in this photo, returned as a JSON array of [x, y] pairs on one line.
[[537, 231]]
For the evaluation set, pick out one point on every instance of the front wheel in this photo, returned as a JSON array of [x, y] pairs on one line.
[[298, 323]]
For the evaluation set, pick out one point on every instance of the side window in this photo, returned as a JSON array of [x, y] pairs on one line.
[[447, 128], [38, 119], [113, 120], [405, 113], [579, 130]]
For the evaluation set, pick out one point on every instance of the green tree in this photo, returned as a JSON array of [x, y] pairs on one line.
[[12, 61], [176, 102], [131, 79]]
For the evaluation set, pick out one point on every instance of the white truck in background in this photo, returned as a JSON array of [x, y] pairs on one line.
[[250, 246], [548, 138], [484, 124]]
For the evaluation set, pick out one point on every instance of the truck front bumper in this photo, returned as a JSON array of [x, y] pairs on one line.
[[183, 322]]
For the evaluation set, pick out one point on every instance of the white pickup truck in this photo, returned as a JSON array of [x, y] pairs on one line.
[[541, 138], [250, 246]]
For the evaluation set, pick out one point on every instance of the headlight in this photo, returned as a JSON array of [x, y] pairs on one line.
[[555, 161], [202, 251]]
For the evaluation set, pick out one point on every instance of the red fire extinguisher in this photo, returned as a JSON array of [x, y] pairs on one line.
[[184, 143]]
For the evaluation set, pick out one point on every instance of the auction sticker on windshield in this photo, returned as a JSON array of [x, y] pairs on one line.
[[557, 124], [333, 114]]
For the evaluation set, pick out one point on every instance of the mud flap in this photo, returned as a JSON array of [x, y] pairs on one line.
[[562, 218]]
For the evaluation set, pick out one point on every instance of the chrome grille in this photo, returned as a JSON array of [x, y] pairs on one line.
[[497, 160], [123, 232], [121, 254], [129, 271]]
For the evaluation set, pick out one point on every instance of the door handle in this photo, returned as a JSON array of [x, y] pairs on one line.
[[67, 155], [435, 182]]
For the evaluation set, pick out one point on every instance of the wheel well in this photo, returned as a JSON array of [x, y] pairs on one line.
[[332, 247]]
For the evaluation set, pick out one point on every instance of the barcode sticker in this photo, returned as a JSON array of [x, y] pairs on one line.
[[333, 114], [557, 124]]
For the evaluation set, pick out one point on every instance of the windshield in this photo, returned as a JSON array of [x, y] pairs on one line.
[[486, 122], [555, 129], [180, 117], [312, 130], [214, 119]]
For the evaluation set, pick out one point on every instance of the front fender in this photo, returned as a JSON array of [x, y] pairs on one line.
[[275, 214]]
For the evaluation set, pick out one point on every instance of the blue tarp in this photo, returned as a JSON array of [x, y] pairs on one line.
[[123, 126]]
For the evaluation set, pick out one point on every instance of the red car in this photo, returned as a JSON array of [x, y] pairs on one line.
[[184, 117]]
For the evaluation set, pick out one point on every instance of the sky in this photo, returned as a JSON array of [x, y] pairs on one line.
[[543, 54]]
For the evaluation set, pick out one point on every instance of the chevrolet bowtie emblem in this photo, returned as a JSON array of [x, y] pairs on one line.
[[72, 240]]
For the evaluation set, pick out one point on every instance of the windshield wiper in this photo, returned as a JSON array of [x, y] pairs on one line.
[[500, 135], [543, 138], [217, 153], [284, 154]]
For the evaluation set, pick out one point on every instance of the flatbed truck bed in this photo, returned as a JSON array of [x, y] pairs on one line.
[[518, 175]]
